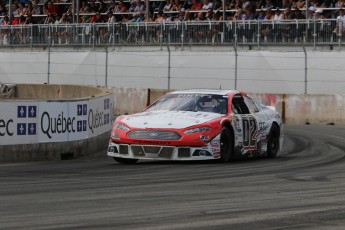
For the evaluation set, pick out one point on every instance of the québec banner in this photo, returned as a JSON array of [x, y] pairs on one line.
[[27, 122]]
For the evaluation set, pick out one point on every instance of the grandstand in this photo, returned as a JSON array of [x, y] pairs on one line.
[[111, 23]]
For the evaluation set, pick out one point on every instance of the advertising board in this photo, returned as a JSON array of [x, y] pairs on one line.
[[28, 122]]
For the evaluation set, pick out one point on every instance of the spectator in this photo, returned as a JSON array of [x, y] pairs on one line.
[[29, 9], [176, 6], [52, 9], [3, 10], [288, 14], [340, 27], [97, 18], [111, 17], [298, 14], [207, 5], [102, 7], [140, 7], [209, 15], [239, 15], [21, 9], [167, 6], [340, 4], [197, 5], [181, 15], [299, 4], [319, 14], [218, 5], [36, 9], [84, 8], [269, 14], [121, 7], [278, 16], [132, 6], [84, 19], [267, 4], [137, 17], [49, 19], [311, 12], [6, 21], [261, 15], [29, 19], [92, 6], [15, 8]]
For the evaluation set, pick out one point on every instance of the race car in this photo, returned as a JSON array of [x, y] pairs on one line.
[[198, 125]]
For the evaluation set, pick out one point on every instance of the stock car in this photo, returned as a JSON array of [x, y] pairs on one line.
[[198, 125]]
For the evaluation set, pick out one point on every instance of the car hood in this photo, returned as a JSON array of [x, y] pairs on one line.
[[169, 119]]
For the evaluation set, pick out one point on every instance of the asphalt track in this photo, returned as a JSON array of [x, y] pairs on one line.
[[303, 188]]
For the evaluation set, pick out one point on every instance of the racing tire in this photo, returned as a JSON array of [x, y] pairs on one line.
[[273, 142], [226, 145], [125, 160]]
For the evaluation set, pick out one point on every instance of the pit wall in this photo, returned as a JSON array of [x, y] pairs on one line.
[[53, 128], [294, 108]]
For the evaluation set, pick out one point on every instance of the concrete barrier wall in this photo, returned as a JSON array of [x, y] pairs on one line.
[[294, 108], [25, 91], [315, 109], [129, 100]]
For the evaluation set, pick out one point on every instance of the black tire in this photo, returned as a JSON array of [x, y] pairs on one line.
[[125, 160], [226, 145], [273, 142]]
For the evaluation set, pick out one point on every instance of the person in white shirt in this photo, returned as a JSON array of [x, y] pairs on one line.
[[340, 28], [278, 16], [207, 5]]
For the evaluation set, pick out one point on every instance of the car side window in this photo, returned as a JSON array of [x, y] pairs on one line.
[[251, 105], [238, 105]]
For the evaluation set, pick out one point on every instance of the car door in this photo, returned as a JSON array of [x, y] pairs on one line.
[[244, 123]]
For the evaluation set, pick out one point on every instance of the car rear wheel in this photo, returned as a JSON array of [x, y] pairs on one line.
[[226, 145], [125, 160], [273, 142]]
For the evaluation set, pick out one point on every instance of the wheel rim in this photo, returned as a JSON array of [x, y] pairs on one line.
[[223, 143], [274, 145]]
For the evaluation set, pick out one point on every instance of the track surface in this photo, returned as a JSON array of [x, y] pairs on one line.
[[303, 188]]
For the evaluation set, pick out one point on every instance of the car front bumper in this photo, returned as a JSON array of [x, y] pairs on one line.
[[154, 152]]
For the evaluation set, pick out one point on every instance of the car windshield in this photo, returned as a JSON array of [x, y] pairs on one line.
[[192, 102]]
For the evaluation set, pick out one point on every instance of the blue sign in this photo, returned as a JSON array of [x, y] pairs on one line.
[[106, 103], [21, 129], [84, 125], [80, 110], [21, 112], [84, 109], [106, 118], [32, 111], [31, 128], [79, 126]]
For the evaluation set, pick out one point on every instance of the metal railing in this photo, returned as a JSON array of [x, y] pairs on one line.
[[235, 33]]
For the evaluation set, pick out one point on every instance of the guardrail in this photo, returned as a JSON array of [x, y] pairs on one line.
[[237, 33]]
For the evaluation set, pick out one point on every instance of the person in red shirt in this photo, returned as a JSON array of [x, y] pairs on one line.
[[197, 5], [52, 9]]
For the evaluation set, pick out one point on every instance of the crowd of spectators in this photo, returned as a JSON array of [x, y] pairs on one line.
[[24, 12], [90, 11]]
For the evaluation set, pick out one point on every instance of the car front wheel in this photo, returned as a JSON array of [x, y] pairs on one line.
[[226, 145], [273, 142]]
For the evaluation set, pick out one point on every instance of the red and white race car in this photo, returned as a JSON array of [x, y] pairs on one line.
[[197, 125]]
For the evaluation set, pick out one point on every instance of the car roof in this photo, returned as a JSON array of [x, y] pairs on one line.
[[207, 91]]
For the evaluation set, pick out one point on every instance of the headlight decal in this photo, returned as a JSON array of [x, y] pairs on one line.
[[122, 127], [197, 130]]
